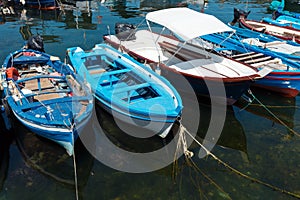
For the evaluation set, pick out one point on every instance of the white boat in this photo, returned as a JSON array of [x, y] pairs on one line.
[[177, 57]]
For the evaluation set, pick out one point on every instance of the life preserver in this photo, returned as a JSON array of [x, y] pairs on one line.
[[12, 73]]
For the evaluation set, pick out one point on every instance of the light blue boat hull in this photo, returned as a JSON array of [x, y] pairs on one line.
[[137, 97]]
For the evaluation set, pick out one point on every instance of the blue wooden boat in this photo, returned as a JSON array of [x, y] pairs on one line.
[[282, 32], [47, 97], [130, 91], [285, 77], [287, 49], [284, 21], [278, 8]]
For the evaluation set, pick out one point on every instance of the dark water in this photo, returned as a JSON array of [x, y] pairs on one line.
[[252, 140]]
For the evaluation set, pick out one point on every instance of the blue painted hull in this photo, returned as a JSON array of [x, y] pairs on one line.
[[285, 82], [212, 90], [288, 21], [280, 12], [131, 92], [278, 8], [286, 85], [51, 108]]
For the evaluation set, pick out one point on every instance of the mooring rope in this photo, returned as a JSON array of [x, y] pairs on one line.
[[74, 164], [271, 113], [275, 188]]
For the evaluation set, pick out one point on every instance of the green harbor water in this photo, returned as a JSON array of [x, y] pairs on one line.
[[257, 155]]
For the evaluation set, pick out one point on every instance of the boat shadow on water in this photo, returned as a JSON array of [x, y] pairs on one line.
[[200, 111], [231, 132], [5, 141], [51, 160], [278, 109]]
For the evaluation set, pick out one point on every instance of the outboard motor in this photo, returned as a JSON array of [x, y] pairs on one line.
[[125, 31], [239, 14], [36, 42]]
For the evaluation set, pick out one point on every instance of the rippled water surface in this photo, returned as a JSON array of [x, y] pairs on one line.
[[257, 155]]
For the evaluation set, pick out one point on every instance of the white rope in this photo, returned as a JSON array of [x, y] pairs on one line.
[[75, 167], [184, 130], [182, 144]]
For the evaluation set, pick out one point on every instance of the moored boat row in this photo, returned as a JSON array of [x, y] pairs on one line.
[[55, 100], [207, 73]]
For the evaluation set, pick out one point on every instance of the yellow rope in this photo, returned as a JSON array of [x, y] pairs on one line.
[[273, 115], [240, 173]]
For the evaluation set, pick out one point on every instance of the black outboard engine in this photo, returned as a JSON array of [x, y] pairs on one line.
[[36, 42], [125, 31], [238, 14]]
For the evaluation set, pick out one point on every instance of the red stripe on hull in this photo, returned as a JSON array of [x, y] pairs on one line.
[[285, 92]]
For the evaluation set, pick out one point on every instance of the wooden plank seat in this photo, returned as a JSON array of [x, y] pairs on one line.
[[97, 71], [249, 57], [243, 54], [47, 96], [184, 53], [109, 78], [45, 83], [274, 64], [258, 60], [290, 34], [130, 88], [117, 72]]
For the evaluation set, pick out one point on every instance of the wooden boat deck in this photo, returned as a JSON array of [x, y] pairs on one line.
[[43, 88], [260, 60], [257, 60], [184, 53]]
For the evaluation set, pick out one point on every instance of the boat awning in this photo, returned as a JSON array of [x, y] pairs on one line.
[[187, 23]]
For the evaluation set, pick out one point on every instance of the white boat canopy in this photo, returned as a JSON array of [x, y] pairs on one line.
[[187, 23]]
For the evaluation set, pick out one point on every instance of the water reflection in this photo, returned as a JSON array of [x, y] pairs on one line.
[[75, 16], [232, 135], [280, 110], [51, 160], [271, 157], [5, 141], [132, 8]]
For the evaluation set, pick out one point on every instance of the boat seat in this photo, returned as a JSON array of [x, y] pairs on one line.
[[267, 63], [258, 60], [117, 72], [130, 88], [289, 34], [108, 78], [184, 53], [242, 54], [97, 71], [251, 56]]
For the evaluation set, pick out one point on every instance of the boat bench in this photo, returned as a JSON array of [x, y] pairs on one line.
[[130, 88], [130, 91], [96, 70], [184, 53], [109, 78]]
